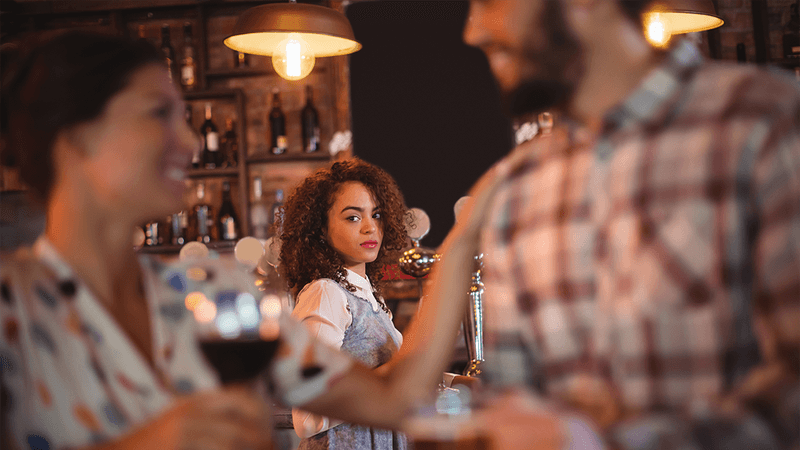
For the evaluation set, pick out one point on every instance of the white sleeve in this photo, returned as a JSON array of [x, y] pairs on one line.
[[322, 308]]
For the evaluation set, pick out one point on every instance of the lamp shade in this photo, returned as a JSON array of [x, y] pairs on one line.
[[685, 16], [260, 30]]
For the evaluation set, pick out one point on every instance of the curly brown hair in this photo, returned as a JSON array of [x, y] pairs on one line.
[[305, 255]]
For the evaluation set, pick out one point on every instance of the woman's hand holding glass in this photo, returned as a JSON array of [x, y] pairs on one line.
[[229, 418]]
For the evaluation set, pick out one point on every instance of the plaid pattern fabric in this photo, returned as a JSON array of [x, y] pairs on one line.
[[630, 265]]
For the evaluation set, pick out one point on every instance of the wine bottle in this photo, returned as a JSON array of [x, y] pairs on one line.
[[169, 53], [210, 141], [142, 36], [152, 233], [188, 64], [179, 224], [741, 53], [259, 218], [230, 144], [791, 34], [228, 223], [277, 126], [196, 154], [310, 122], [240, 59], [202, 213], [277, 212]]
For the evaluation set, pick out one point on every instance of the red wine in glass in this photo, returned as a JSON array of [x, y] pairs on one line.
[[239, 360]]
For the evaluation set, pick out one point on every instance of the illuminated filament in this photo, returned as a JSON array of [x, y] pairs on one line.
[[657, 33], [293, 58]]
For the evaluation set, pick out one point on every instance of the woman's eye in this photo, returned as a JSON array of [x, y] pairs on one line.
[[352, 218], [376, 215]]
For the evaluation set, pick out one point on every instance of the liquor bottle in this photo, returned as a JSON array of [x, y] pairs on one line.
[[152, 233], [741, 53], [210, 141], [277, 212], [228, 223], [169, 53], [277, 126], [240, 59], [791, 34], [259, 217], [197, 158], [188, 64], [202, 216], [230, 144], [179, 224], [310, 123], [142, 36]]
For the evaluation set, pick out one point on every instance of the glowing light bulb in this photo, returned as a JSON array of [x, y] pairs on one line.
[[656, 31], [293, 59]]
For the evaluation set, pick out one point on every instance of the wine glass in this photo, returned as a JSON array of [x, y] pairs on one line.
[[446, 423], [236, 324]]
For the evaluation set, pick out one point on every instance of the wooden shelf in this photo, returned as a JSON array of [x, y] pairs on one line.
[[210, 173], [264, 157], [218, 246], [212, 93], [239, 72], [250, 72]]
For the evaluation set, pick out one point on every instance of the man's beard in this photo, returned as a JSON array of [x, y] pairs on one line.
[[559, 66], [537, 95]]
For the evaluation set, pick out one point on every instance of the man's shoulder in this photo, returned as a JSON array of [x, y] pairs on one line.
[[730, 90]]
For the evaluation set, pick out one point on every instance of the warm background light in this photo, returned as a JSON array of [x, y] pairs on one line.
[[667, 18], [655, 31], [293, 59], [280, 29]]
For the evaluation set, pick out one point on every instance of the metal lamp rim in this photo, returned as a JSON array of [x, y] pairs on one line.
[[317, 21]]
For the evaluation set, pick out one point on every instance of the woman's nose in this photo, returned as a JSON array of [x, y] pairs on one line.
[[368, 226], [189, 140]]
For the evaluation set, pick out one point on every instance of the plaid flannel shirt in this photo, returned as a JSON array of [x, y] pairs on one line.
[[627, 268]]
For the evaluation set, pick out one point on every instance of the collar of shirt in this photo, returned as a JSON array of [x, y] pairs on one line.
[[363, 288], [660, 91], [46, 252]]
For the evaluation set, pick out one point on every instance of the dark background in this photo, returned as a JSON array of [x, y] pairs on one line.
[[425, 106]]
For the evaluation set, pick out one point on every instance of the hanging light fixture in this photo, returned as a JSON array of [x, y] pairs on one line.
[[666, 18], [294, 35]]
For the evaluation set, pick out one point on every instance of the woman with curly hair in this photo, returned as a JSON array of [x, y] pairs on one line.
[[339, 228]]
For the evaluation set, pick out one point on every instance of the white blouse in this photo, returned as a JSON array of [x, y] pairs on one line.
[[322, 307]]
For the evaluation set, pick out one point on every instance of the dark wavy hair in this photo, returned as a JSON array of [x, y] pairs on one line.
[[52, 81], [305, 256]]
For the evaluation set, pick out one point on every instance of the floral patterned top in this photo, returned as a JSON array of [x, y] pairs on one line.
[[71, 377]]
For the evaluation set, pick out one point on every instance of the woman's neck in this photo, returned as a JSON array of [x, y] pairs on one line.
[[96, 244], [360, 269]]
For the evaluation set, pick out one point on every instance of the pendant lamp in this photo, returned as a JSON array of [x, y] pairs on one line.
[[666, 18], [294, 35]]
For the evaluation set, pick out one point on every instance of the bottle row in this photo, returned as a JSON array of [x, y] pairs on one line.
[[221, 151], [205, 224], [183, 69], [309, 120], [216, 151]]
